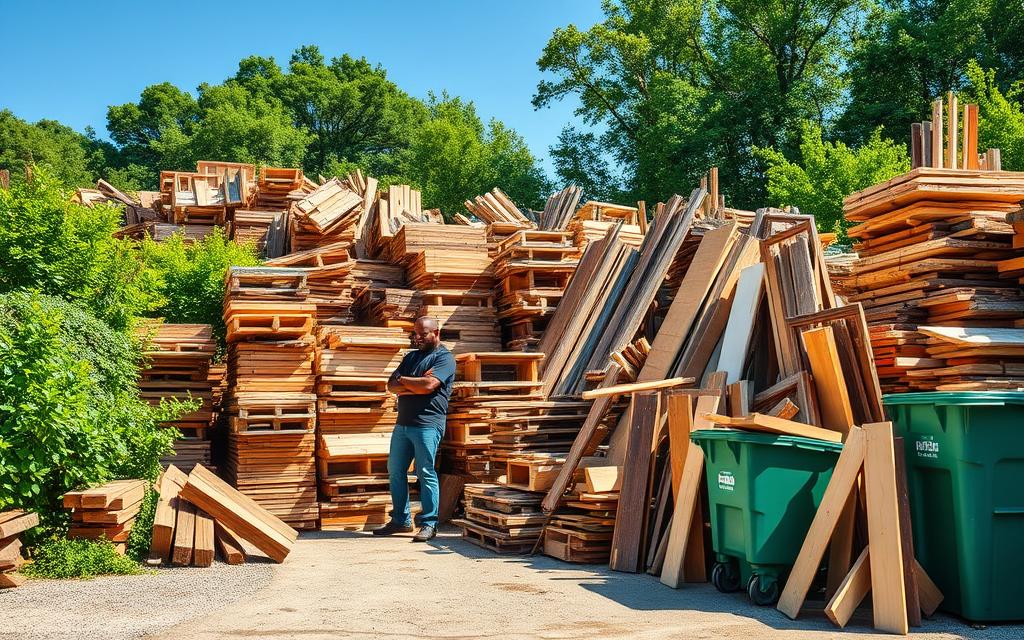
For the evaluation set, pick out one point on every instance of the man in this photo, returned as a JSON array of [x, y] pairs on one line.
[[423, 382]]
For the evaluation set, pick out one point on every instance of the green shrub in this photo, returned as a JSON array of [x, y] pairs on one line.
[[188, 279], [70, 412], [142, 529], [49, 244], [62, 558]]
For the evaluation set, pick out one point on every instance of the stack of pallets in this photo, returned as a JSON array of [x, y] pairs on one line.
[[107, 511], [12, 524], [178, 357], [356, 417], [533, 269], [271, 404], [501, 519], [581, 529], [328, 275]]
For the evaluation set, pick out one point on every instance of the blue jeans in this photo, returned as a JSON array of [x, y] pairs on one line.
[[419, 443]]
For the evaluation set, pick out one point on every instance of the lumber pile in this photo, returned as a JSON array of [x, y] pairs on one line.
[[932, 246], [356, 415], [107, 511], [496, 207], [178, 367], [533, 269], [198, 516], [500, 519], [271, 400], [12, 524], [581, 530]]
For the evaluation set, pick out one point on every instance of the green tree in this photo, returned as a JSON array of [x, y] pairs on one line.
[[912, 51], [580, 160], [1000, 116], [829, 171], [49, 244], [153, 132], [73, 158], [680, 85]]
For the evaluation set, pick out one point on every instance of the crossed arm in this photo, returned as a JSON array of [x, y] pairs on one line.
[[413, 385]]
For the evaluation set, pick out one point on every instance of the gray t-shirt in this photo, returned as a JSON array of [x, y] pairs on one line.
[[431, 409]]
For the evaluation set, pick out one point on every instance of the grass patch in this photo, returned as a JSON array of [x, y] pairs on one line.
[[62, 558]]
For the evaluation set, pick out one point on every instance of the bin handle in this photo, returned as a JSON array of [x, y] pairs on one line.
[[1009, 511]]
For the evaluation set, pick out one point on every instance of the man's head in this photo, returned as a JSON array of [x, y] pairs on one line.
[[425, 334]]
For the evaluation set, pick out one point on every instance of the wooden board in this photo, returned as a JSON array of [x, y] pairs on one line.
[[852, 591], [168, 485], [229, 544], [771, 424], [184, 534], [682, 516], [203, 548], [848, 467], [889, 603], [742, 317], [829, 381], [14, 522], [630, 516]]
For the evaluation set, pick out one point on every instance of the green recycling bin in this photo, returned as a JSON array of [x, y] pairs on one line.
[[763, 492], [965, 476]]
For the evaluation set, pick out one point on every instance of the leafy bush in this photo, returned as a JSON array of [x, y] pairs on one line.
[[828, 172], [188, 279], [70, 412], [62, 558], [49, 244], [142, 529]]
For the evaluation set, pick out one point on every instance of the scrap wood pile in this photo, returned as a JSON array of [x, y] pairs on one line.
[[12, 524], [178, 366], [198, 516], [939, 266], [107, 511]]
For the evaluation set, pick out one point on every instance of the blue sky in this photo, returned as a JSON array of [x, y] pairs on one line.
[[69, 60]]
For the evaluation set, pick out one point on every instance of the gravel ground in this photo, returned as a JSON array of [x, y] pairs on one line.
[[123, 607], [348, 585]]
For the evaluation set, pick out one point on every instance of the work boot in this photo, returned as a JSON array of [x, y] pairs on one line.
[[425, 533], [391, 528]]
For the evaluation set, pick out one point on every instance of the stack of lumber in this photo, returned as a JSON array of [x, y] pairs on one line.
[[327, 215], [501, 519], [533, 269], [388, 307], [560, 208], [178, 357], [107, 511], [399, 206], [198, 515], [356, 415], [271, 401], [258, 228], [931, 243], [581, 529], [498, 207], [12, 524]]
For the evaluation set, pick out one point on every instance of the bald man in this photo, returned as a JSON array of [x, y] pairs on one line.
[[423, 383]]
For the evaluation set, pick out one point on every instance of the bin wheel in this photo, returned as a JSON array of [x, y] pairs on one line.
[[725, 577], [763, 590]]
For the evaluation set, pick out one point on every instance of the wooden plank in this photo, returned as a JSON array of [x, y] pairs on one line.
[[851, 592], [906, 536], [844, 476], [603, 479], [928, 592], [634, 387], [14, 522], [739, 398], [829, 381], [740, 327], [203, 547], [630, 515], [971, 137], [937, 133], [168, 485], [771, 424], [889, 603], [229, 544], [682, 516], [953, 124], [184, 534], [251, 521], [840, 551], [11, 580], [712, 252], [680, 422]]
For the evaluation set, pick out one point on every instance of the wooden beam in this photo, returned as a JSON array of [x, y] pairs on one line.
[[742, 317], [928, 592], [937, 133], [906, 536], [771, 424], [847, 468], [953, 134], [851, 592], [829, 381], [680, 421], [627, 550], [889, 602], [682, 516], [635, 387]]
